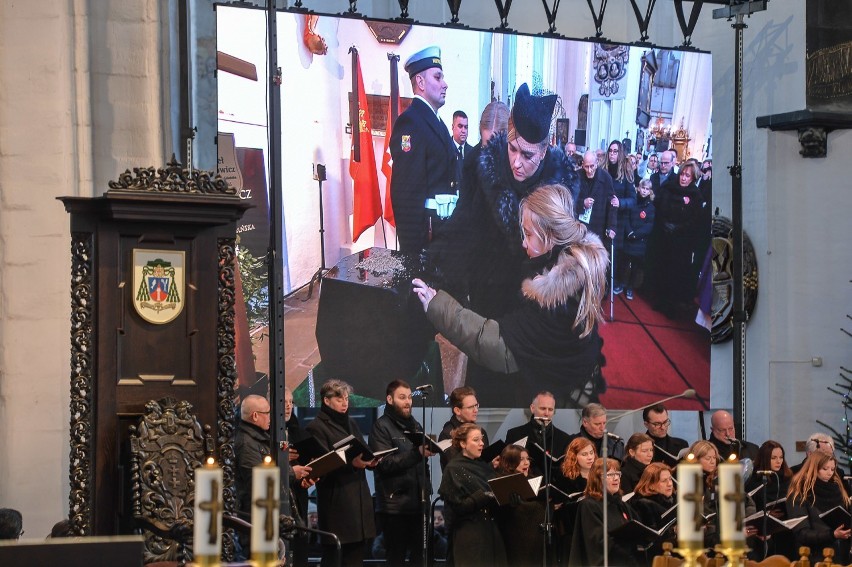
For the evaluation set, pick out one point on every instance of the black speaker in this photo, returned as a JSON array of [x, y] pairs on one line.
[[580, 137], [371, 328]]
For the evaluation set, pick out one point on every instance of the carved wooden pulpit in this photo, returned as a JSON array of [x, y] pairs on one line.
[[152, 316]]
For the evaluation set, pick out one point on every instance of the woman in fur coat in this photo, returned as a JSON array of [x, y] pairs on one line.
[[551, 338]]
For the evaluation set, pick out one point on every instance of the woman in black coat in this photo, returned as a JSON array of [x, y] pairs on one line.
[[476, 538], [344, 503], [771, 487], [678, 218], [579, 458], [816, 489], [521, 521], [653, 497], [640, 453], [586, 544], [489, 267]]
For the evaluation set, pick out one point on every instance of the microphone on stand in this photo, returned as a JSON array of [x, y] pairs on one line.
[[423, 388], [765, 473], [614, 436]]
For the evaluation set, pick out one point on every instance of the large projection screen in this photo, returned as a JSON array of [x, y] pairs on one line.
[[661, 100]]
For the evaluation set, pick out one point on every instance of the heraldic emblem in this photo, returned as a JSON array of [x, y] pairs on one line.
[[158, 281]]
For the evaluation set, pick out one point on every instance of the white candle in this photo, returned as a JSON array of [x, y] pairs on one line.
[[207, 527], [731, 503], [264, 507], [690, 504]]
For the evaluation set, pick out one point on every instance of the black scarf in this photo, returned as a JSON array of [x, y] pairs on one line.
[[341, 419], [404, 423], [827, 495]]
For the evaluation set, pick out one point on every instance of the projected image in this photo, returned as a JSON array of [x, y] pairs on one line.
[[422, 144]]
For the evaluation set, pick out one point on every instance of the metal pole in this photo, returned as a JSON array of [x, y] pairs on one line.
[[739, 315], [738, 11], [275, 268]]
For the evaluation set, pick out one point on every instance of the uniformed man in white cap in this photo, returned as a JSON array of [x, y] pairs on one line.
[[424, 158]]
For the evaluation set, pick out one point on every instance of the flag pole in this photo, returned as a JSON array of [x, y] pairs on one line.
[[353, 108]]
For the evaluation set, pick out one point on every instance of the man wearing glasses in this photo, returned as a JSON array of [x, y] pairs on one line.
[[667, 162], [251, 445], [666, 447], [465, 410]]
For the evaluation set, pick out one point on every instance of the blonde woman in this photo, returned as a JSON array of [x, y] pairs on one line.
[[816, 489], [552, 338]]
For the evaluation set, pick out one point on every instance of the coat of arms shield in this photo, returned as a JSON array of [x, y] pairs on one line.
[[158, 284]]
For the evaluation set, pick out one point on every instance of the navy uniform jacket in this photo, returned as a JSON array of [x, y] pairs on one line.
[[424, 165]]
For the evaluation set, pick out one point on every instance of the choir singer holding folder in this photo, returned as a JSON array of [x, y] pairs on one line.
[[400, 476], [344, 503], [476, 538]]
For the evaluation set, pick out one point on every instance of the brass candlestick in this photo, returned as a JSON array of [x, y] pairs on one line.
[[690, 551], [734, 552], [265, 560], [206, 561]]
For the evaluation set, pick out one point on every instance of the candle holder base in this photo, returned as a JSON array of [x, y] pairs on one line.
[[205, 561], [265, 560], [690, 554], [734, 553]]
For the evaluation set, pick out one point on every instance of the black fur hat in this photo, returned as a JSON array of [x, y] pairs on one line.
[[532, 115]]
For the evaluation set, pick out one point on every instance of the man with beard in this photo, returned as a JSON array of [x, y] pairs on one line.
[[482, 256], [399, 476]]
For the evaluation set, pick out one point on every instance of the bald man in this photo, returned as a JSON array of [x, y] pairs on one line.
[[723, 435], [251, 445], [553, 440]]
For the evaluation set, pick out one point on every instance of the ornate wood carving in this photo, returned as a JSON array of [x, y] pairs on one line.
[[172, 179], [117, 364], [166, 448], [82, 383], [226, 394]]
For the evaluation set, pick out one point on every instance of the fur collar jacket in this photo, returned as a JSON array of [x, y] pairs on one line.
[[563, 279]]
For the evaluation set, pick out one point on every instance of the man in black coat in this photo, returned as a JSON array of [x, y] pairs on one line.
[[400, 476], [460, 132], [666, 447], [250, 446], [344, 503], [723, 435], [666, 169], [424, 157], [465, 407], [596, 205], [553, 442], [593, 428]]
